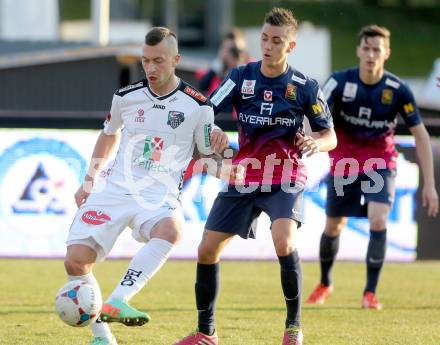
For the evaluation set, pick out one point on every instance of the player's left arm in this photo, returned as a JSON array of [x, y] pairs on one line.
[[424, 155], [411, 116]]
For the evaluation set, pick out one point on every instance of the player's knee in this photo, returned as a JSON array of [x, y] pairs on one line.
[[172, 235], [334, 227], [207, 254], [378, 221], [76, 267], [283, 246], [168, 229]]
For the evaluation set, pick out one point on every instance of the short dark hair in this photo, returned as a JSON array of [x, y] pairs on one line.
[[374, 31], [278, 16], [157, 35]]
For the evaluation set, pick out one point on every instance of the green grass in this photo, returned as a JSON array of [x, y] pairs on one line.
[[250, 306]]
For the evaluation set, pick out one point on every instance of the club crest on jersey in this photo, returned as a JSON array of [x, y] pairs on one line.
[[387, 96], [248, 87], [175, 118], [291, 92], [267, 96]]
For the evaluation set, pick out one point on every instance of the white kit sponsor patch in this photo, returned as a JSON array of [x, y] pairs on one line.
[[129, 87], [328, 88], [225, 90], [392, 83], [248, 87], [350, 90], [298, 79]]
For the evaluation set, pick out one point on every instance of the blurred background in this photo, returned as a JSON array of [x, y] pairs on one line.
[[62, 60]]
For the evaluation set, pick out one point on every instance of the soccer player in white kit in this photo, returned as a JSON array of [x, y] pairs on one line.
[[159, 122]]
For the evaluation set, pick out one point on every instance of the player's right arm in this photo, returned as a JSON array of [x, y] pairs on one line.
[[223, 97], [107, 141]]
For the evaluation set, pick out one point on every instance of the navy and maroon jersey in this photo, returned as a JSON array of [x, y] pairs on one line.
[[365, 117], [270, 112]]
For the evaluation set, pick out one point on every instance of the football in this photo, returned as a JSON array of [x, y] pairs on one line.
[[78, 304]]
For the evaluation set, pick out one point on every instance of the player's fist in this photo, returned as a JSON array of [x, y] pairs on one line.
[[306, 144], [430, 201], [83, 193], [232, 173], [219, 141]]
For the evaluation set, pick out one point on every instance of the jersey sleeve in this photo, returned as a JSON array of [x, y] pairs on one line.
[[330, 89], [223, 96], [408, 108], [113, 122], [202, 134], [317, 111]]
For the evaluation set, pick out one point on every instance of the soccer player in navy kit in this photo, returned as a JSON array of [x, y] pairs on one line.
[[271, 99], [365, 102]]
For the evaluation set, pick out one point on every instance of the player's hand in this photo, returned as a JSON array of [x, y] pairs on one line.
[[219, 141], [83, 193], [306, 144], [430, 201], [232, 174]]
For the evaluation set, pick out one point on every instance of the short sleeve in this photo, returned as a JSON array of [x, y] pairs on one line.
[[113, 122], [318, 112], [408, 108], [203, 130], [329, 90], [223, 96]]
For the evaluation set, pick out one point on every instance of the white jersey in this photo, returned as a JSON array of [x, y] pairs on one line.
[[158, 136]]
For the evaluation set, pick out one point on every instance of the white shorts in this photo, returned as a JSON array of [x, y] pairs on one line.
[[99, 222]]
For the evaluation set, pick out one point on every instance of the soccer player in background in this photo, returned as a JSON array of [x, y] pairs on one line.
[[271, 99], [365, 102], [163, 120]]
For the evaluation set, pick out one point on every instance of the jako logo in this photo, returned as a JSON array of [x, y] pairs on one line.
[[95, 217]]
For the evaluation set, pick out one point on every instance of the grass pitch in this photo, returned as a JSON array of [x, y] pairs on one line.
[[250, 306]]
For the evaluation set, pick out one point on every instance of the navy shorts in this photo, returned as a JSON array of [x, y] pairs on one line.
[[236, 213], [351, 200]]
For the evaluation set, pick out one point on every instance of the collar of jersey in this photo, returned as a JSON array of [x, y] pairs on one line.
[[160, 98]]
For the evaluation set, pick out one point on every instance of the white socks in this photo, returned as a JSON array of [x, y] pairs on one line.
[[99, 329], [144, 265]]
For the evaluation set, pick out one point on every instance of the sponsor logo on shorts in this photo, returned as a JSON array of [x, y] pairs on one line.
[[95, 217]]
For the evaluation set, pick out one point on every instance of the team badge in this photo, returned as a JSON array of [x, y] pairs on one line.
[[387, 96], [291, 92], [267, 96], [175, 118]]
